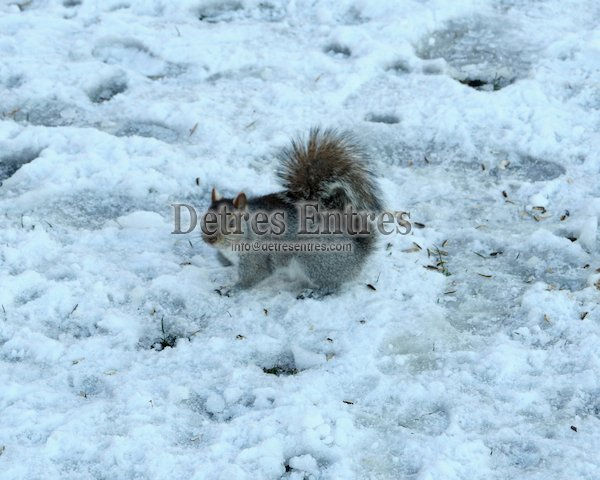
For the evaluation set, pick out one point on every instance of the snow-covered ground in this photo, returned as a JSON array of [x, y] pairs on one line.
[[482, 118]]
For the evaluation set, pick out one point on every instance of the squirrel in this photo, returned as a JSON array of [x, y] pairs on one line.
[[328, 170]]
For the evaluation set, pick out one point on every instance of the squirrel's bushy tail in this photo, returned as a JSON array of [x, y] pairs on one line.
[[328, 167]]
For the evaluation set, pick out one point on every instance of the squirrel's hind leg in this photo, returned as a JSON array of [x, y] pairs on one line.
[[328, 271], [252, 269]]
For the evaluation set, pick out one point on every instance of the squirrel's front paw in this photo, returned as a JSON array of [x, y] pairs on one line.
[[314, 293]]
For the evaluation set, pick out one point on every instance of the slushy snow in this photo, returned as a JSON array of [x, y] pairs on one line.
[[474, 356]]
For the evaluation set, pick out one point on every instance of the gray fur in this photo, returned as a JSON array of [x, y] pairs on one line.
[[328, 168]]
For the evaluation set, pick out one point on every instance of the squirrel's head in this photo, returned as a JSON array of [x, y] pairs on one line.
[[222, 223]]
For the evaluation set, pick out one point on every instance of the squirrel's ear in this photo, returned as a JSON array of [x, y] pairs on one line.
[[214, 196], [240, 201]]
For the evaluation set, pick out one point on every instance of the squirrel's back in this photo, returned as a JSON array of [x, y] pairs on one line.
[[328, 167]]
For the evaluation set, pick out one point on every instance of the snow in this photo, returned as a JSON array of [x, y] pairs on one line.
[[119, 360]]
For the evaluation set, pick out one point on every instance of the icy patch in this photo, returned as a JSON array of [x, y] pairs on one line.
[[426, 419], [236, 75], [283, 364], [88, 209], [231, 10], [530, 169], [353, 16], [10, 163], [216, 12], [270, 12], [148, 129], [50, 112], [13, 81], [135, 55], [107, 89], [388, 118], [338, 50], [399, 67], [484, 53]]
